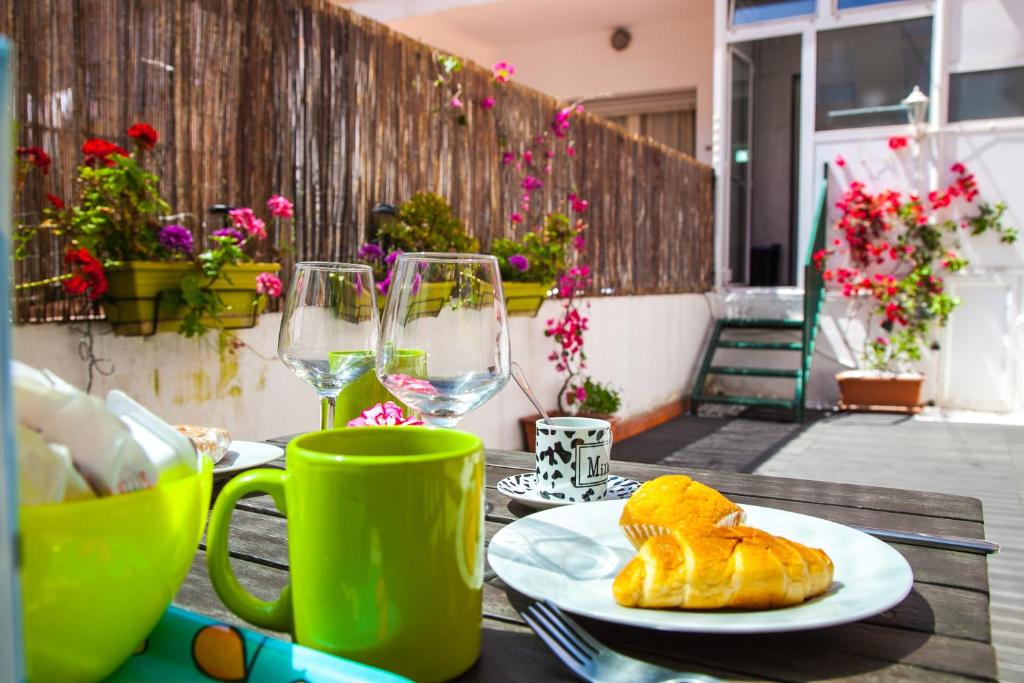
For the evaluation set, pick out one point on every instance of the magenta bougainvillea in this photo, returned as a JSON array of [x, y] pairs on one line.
[[892, 253]]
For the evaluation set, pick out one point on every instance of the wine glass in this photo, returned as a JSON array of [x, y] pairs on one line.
[[451, 308], [329, 328]]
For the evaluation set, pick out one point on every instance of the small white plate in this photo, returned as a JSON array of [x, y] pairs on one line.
[[523, 488], [243, 455], [571, 555]]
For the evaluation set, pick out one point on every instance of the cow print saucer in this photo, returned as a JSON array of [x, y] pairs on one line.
[[522, 488]]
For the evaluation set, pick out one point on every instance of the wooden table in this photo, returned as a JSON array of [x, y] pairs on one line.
[[939, 632]]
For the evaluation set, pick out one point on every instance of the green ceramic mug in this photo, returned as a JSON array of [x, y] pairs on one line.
[[367, 391], [385, 546]]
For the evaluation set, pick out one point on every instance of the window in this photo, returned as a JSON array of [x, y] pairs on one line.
[[992, 94], [669, 117], [753, 11], [865, 71], [854, 4]]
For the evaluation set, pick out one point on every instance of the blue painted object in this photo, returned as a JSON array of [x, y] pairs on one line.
[[188, 648], [11, 660]]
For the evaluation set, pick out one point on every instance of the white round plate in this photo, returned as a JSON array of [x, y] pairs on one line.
[[523, 488], [243, 455], [570, 555]]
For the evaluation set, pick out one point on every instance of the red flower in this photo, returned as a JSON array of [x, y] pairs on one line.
[[98, 149], [840, 161], [958, 168], [144, 135], [88, 274], [35, 156], [897, 142], [57, 202]]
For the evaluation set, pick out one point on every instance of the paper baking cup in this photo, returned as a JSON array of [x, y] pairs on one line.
[[639, 533]]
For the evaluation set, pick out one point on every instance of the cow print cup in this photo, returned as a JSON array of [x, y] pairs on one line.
[[573, 454]]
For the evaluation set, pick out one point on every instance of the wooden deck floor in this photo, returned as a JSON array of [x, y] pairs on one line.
[[980, 460]]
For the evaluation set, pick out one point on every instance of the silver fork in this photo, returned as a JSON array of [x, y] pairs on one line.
[[589, 659]]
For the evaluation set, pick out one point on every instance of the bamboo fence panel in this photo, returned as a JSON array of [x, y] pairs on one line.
[[338, 112]]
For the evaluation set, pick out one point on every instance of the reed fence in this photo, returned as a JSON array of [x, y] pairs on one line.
[[306, 99]]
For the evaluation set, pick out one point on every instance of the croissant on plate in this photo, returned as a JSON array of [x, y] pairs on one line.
[[671, 500], [712, 567]]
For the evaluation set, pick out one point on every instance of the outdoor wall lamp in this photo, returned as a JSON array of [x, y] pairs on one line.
[[916, 104]]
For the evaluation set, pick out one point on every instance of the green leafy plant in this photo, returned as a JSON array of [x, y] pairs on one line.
[[425, 223], [540, 255], [422, 223], [118, 216], [118, 212], [600, 399]]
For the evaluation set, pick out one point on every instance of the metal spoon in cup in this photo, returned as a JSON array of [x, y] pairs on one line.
[[520, 377]]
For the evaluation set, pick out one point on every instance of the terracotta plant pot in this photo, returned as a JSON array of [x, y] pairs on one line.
[[529, 425], [879, 392], [132, 304]]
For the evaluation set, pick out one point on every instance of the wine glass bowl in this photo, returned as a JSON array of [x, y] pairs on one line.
[[451, 307], [329, 327]]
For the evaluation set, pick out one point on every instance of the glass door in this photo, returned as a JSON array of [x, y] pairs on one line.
[[740, 137]]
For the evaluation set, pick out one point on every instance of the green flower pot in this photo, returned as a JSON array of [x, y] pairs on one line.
[[133, 300]]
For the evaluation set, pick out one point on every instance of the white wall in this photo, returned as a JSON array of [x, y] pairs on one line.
[[648, 346], [572, 61]]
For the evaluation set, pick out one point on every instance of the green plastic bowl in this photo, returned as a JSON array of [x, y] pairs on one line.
[[98, 574]]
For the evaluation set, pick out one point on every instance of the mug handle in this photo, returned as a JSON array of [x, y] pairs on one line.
[[276, 615]]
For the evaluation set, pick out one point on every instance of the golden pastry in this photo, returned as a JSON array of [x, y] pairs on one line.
[[675, 499], [711, 567]]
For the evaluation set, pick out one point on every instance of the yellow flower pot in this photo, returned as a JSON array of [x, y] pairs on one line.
[[524, 299], [134, 303]]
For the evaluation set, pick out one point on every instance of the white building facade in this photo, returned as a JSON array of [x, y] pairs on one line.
[[847, 64]]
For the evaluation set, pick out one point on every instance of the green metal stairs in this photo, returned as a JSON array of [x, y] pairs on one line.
[[814, 293]]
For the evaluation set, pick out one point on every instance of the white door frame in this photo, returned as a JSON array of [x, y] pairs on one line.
[[734, 53]]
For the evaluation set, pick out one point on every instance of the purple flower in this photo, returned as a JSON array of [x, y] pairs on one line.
[[370, 252], [176, 237], [234, 234], [519, 262], [392, 257], [384, 284]]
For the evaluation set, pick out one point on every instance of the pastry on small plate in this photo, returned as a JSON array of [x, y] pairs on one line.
[[714, 567], [674, 499], [209, 441]]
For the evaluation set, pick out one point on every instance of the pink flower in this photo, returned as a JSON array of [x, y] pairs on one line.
[[579, 205], [269, 284], [508, 157], [244, 218], [516, 217], [487, 103], [400, 383], [455, 102], [840, 161], [386, 414], [527, 157], [503, 72], [279, 206], [580, 242], [581, 394], [547, 168], [570, 150], [897, 142], [530, 183]]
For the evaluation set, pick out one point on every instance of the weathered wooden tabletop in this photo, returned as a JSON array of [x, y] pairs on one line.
[[939, 632]]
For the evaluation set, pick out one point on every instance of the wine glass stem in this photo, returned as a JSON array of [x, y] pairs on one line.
[[327, 412]]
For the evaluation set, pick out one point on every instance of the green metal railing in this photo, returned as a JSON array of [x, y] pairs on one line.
[[814, 295]]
